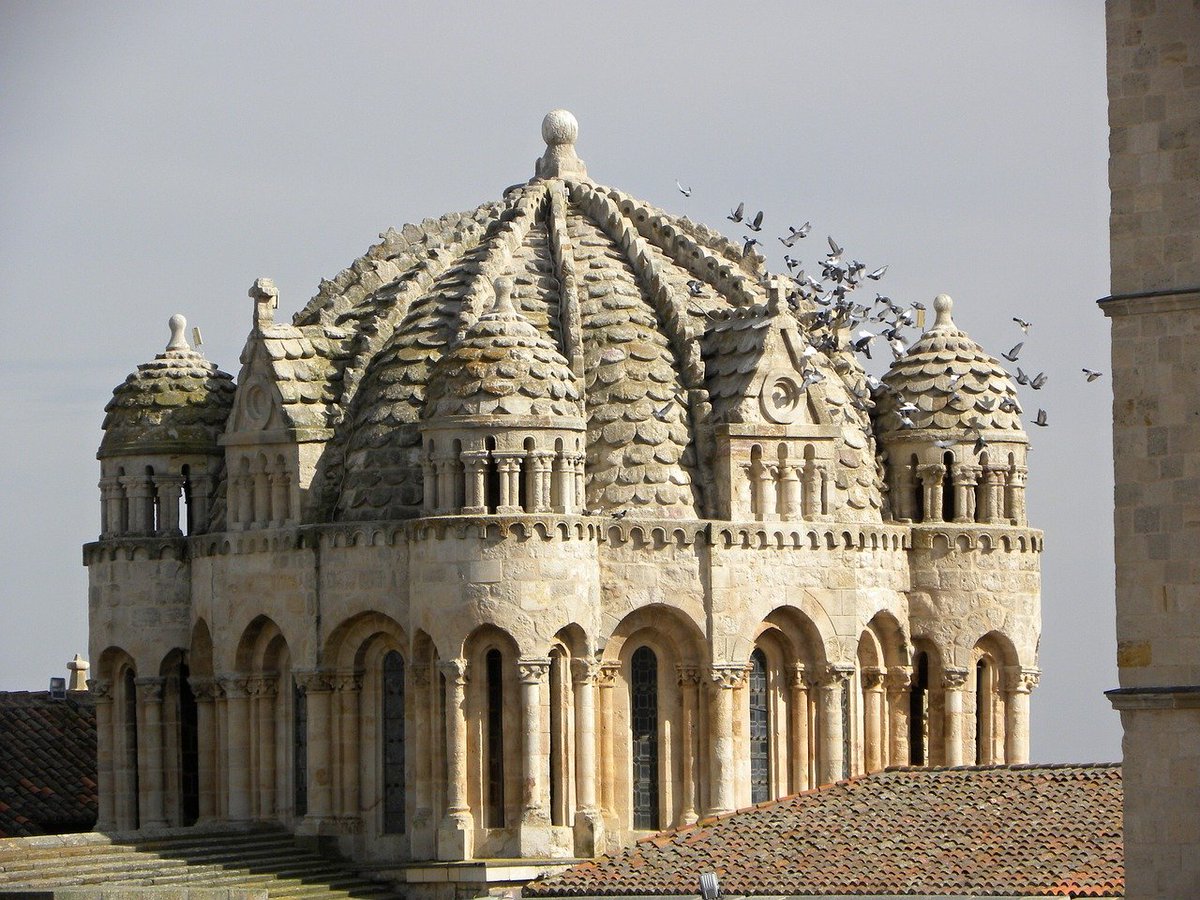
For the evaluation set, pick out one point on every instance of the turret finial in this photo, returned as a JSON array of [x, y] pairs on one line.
[[178, 324], [266, 297], [559, 131], [943, 305], [503, 304]]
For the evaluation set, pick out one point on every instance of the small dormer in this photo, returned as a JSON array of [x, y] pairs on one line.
[[503, 426], [779, 409], [160, 457], [280, 419]]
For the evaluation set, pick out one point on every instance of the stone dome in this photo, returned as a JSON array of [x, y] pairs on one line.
[[503, 366], [621, 290], [954, 383], [176, 403]]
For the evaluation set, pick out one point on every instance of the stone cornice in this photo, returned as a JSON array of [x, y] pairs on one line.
[[1168, 300], [1185, 696]]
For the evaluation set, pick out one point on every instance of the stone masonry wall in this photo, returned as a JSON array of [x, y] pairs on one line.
[[1154, 142]]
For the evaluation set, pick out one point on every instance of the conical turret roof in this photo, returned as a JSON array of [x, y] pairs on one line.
[[954, 383], [176, 403]]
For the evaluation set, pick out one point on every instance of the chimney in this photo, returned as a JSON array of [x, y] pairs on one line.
[[78, 668]]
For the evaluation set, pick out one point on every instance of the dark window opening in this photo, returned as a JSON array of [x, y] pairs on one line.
[[299, 751], [918, 700], [495, 739], [393, 743], [189, 751], [644, 718], [131, 747], [760, 730]]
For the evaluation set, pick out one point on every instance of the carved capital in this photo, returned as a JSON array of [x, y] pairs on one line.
[[150, 688], [966, 474], [899, 679], [1022, 679], [454, 670], [607, 675], [687, 675], [872, 678], [100, 689], [954, 679], [930, 472], [799, 676], [234, 686], [584, 671], [346, 681], [205, 690], [1018, 476], [727, 675], [533, 669], [263, 686], [313, 681], [836, 675]]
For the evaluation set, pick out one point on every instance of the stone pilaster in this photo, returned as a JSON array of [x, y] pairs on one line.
[[724, 679], [237, 749], [318, 693], [150, 752], [424, 833], [106, 814], [456, 833], [1021, 680], [873, 724], [953, 682], [206, 691], [932, 477], [799, 744], [689, 689], [833, 687], [589, 823], [606, 680], [899, 688], [535, 759]]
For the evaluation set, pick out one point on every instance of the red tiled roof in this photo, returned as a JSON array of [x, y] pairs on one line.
[[1041, 831], [47, 763]]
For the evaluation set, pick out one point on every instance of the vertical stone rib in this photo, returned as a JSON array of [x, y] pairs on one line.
[[497, 256], [570, 326]]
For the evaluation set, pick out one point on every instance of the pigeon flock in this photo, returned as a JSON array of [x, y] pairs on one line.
[[824, 300]]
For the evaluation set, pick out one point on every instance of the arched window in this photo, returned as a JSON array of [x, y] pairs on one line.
[[918, 497], [299, 751], [918, 714], [393, 743], [189, 750], [760, 730], [491, 483], [494, 664], [643, 696], [948, 488], [132, 788]]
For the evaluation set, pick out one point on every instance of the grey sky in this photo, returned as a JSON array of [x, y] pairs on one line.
[[157, 158]]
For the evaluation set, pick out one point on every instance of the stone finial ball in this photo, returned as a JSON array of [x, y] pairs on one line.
[[559, 127], [176, 323], [943, 304]]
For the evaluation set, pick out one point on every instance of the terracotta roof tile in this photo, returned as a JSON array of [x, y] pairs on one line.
[[1028, 830], [47, 763]]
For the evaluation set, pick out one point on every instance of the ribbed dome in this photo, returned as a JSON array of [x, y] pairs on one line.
[[503, 366], [178, 402], [601, 278], [954, 383]]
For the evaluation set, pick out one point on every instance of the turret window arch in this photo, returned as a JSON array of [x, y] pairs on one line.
[[948, 487], [492, 477], [918, 495]]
